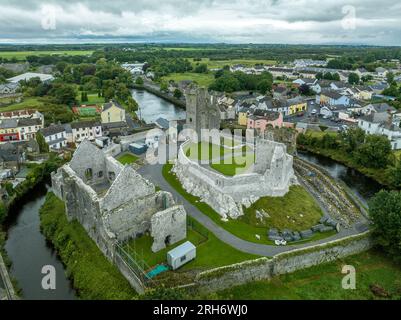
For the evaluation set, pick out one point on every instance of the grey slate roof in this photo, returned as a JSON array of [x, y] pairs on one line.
[[53, 129], [108, 105]]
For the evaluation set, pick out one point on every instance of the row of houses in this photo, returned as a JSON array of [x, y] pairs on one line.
[[20, 125], [113, 123]]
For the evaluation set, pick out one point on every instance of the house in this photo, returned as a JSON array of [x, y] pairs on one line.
[[243, 116], [8, 89], [311, 83], [329, 111], [331, 98], [279, 105], [379, 87], [260, 119], [381, 72], [79, 131], [363, 93], [378, 108], [307, 74], [381, 123], [279, 91], [8, 130], [362, 72], [31, 75], [295, 105], [11, 157], [112, 112], [55, 136], [300, 63], [281, 72], [28, 127]]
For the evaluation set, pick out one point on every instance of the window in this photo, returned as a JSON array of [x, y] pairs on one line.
[[88, 174], [112, 175], [100, 174], [183, 258]]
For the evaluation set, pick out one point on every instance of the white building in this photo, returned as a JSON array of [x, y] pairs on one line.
[[380, 123], [30, 75], [78, 131], [55, 136]]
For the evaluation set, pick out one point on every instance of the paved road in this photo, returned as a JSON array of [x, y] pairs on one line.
[[154, 174]]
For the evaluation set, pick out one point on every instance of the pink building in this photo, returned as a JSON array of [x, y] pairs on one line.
[[261, 119]]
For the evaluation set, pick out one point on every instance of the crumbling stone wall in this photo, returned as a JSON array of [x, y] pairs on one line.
[[265, 268], [168, 227], [227, 195]]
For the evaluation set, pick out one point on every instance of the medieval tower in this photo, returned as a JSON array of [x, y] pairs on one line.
[[202, 110]]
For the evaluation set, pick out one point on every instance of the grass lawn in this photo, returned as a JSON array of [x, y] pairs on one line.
[[324, 282], [210, 251], [93, 98], [21, 55], [285, 212], [203, 79], [127, 158], [245, 227], [27, 103]]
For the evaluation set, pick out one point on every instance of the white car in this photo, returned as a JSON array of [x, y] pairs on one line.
[[280, 242]]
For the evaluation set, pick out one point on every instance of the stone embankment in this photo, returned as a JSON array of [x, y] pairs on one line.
[[329, 192]]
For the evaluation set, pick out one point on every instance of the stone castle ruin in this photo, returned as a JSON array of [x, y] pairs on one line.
[[114, 203], [272, 175], [202, 110]]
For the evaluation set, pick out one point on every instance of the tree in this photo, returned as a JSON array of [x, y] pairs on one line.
[[63, 93], [84, 96], [395, 175], [385, 211], [390, 78], [305, 90], [139, 81], [374, 153], [163, 87], [264, 86], [177, 93], [201, 68], [353, 78], [43, 146], [132, 105], [352, 138]]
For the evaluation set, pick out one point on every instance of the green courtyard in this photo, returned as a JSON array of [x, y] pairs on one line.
[[127, 158]]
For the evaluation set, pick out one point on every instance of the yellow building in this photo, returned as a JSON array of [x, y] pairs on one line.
[[296, 105], [113, 112], [243, 117]]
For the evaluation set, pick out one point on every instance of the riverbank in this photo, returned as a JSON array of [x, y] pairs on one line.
[[93, 276], [158, 93]]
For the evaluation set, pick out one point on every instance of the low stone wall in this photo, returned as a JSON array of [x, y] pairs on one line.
[[265, 268]]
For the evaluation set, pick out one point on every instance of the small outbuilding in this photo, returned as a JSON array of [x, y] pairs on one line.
[[137, 148], [181, 255]]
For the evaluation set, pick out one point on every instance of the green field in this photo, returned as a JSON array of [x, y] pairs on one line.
[[246, 227], [210, 251], [93, 98], [27, 103], [217, 64], [373, 269], [127, 158], [202, 79], [21, 55]]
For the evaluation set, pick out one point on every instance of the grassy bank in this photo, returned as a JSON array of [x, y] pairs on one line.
[[21, 55], [377, 277], [94, 277], [247, 227]]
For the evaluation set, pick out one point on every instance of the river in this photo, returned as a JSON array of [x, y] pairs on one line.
[[29, 252], [363, 186], [152, 107]]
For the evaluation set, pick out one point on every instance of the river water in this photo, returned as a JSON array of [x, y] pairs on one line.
[[29, 252], [152, 107]]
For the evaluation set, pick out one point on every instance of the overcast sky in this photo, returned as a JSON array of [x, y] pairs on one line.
[[233, 21]]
